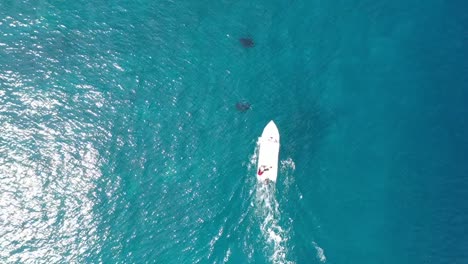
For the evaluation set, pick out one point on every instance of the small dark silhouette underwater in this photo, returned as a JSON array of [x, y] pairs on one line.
[[242, 106], [247, 42]]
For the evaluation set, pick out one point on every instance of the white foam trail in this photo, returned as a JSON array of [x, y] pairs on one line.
[[226, 257], [253, 158], [268, 213], [288, 164], [287, 168], [276, 237], [320, 253]]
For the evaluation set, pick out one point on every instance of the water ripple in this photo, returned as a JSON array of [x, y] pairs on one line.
[[49, 163]]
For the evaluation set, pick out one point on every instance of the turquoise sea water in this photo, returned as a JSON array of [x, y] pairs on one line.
[[120, 141]]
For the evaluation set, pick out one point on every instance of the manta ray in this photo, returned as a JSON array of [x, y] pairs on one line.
[[247, 42], [242, 106]]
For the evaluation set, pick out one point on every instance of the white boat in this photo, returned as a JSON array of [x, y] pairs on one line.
[[268, 153]]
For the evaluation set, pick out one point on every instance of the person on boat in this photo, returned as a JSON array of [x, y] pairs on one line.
[[262, 169]]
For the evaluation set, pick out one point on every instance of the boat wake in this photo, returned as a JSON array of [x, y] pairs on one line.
[[268, 214], [275, 228], [320, 253]]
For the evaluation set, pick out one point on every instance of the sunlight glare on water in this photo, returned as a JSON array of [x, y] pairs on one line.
[[48, 172]]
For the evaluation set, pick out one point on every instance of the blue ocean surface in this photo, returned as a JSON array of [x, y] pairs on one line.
[[120, 140]]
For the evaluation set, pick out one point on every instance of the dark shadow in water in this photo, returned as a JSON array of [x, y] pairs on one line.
[[242, 106], [247, 42]]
